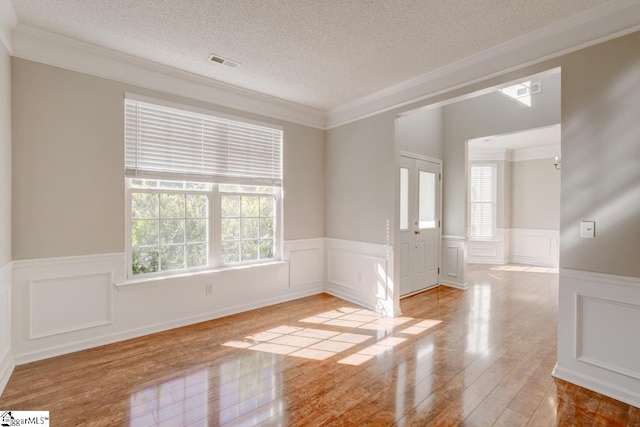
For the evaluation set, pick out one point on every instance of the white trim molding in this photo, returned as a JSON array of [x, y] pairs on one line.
[[6, 354], [59, 51], [598, 315], [595, 25]]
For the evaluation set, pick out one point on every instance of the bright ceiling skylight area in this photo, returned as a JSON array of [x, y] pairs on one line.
[[355, 347], [523, 91]]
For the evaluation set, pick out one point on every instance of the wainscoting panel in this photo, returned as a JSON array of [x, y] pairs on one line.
[[519, 245], [598, 320], [490, 251], [306, 261], [535, 247], [69, 304], [62, 305], [454, 262], [6, 359], [361, 273]]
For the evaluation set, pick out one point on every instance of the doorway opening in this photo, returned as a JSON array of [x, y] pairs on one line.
[[442, 131]]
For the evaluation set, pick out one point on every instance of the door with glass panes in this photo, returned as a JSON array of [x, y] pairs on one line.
[[419, 247]]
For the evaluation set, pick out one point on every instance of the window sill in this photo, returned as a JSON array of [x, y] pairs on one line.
[[134, 282]]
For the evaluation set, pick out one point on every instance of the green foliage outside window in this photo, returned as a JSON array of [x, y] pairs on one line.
[[247, 227], [168, 231]]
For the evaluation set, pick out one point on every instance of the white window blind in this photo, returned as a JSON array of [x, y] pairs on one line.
[[169, 143], [483, 201]]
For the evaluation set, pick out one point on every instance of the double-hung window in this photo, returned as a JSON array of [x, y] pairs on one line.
[[203, 190], [482, 187]]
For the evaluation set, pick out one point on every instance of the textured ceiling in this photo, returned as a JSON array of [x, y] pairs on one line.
[[318, 53]]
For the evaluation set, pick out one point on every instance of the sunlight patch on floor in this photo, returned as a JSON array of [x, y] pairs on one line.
[[526, 268], [321, 344]]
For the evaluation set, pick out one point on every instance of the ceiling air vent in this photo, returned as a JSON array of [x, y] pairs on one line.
[[223, 61]]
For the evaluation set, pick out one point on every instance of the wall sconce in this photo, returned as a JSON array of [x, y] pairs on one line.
[[557, 162]]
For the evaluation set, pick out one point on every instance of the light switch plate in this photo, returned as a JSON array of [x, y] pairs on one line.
[[588, 229]]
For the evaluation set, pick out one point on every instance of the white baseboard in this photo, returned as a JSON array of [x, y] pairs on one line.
[[339, 292], [462, 286], [628, 396], [501, 261], [598, 314]]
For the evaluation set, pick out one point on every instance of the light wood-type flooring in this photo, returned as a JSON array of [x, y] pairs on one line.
[[478, 357]]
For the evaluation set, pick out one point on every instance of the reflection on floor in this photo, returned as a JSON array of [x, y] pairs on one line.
[[478, 357]]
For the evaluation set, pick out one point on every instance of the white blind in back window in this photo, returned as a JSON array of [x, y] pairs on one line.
[[169, 143], [483, 201]]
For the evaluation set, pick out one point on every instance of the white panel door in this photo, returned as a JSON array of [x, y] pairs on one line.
[[419, 242]]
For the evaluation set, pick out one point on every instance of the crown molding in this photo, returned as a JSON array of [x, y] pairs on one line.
[[601, 23], [63, 52], [8, 20], [596, 25]]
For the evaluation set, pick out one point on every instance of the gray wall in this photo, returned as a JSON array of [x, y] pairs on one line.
[[5, 156], [535, 195], [360, 179], [68, 164], [490, 114], [420, 132], [601, 157]]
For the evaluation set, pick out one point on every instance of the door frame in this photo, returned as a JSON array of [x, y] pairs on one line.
[[439, 228]]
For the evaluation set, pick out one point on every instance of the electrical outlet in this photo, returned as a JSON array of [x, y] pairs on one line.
[[208, 289]]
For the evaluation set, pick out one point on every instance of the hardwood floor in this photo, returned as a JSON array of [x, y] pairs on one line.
[[480, 357]]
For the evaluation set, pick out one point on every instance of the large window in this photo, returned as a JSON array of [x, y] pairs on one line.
[[483, 201], [202, 191]]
